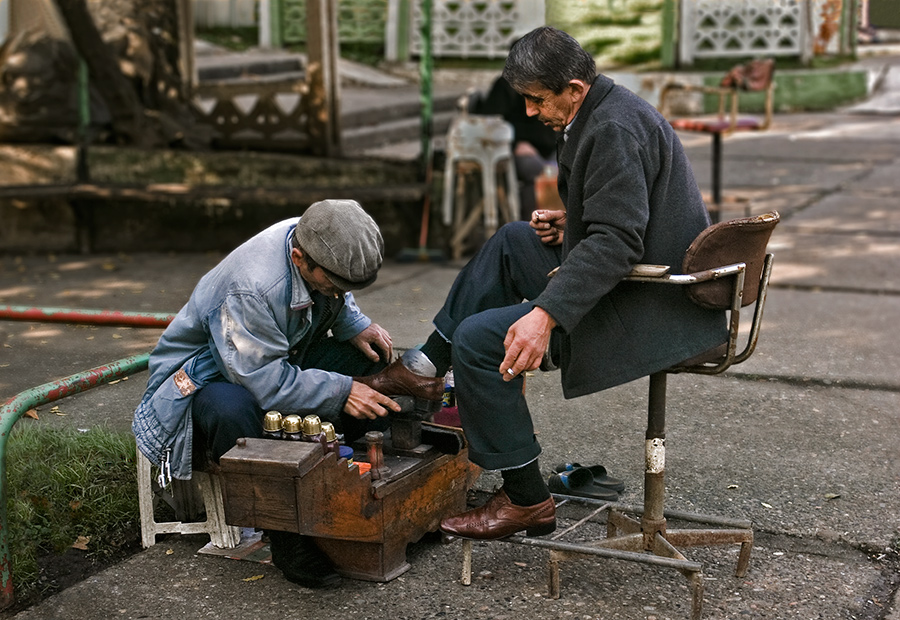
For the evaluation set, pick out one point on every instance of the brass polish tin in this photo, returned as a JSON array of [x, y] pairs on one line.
[[272, 422], [312, 425], [328, 429], [291, 424]]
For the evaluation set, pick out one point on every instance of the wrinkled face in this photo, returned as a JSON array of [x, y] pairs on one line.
[[555, 111], [317, 277]]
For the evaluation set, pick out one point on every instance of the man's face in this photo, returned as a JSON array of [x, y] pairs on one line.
[[316, 277], [555, 111]]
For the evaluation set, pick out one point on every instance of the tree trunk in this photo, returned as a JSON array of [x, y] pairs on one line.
[[128, 119]]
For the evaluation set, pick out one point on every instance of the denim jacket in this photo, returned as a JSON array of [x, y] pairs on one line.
[[241, 324]]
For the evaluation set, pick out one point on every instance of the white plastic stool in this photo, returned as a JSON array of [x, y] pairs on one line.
[[222, 535], [485, 141]]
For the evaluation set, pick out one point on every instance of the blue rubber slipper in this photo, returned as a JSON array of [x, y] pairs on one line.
[[580, 483], [601, 477]]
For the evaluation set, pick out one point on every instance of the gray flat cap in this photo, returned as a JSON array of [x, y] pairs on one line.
[[344, 240]]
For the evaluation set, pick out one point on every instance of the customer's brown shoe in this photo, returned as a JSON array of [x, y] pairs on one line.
[[398, 380], [500, 518]]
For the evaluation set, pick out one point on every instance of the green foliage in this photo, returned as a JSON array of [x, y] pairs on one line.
[[64, 484]]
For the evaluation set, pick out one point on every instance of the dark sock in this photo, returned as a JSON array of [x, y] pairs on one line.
[[524, 485], [438, 351]]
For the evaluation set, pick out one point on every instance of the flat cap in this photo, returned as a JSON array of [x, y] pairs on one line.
[[344, 240]]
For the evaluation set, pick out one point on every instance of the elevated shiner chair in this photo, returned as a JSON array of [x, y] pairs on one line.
[[726, 268]]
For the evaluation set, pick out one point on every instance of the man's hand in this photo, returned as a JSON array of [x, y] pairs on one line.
[[549, 225], [364, 402], [525, 343], [371, 337]]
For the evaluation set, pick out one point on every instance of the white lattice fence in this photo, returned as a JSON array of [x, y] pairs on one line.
[[725, 28], [476, 28]]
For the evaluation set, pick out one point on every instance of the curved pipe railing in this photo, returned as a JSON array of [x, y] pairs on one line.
[[14, 408]]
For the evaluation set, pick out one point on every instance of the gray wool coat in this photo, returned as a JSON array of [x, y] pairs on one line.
[[630, 198]]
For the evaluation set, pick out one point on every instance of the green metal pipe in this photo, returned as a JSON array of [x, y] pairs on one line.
[[16, 407], [426, 70], [86, 316]]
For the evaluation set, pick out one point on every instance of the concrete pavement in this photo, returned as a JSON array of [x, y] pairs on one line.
[[801, 439]]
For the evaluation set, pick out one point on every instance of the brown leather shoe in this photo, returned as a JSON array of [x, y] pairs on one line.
[[398, 380], [500, 518]]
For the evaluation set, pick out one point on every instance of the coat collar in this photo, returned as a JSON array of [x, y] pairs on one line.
[[596, 94]]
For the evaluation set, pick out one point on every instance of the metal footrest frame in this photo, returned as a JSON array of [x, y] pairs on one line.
[[627, 540]]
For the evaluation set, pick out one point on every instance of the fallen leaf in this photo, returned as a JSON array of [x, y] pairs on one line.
[[765, 505], [55, 410], [253, 578], [81, 543], [114, 382], [89, 338], [32, 413], [521, 564], [832, 495], [117, 335], [170, 551], [732, 486], [3, 365]]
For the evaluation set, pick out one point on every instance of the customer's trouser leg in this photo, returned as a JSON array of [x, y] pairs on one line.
[[510, 267], [483, 302]]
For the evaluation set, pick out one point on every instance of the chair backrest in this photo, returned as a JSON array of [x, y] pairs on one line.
[[742, 240], [755, 75]]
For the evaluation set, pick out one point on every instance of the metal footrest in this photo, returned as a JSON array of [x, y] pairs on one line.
[[626, 541]]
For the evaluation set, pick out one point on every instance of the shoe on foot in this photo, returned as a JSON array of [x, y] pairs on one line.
[[301, 561], [398, 380], [500, 518]]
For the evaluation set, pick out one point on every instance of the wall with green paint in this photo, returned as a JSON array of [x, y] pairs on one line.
[[801, 90]]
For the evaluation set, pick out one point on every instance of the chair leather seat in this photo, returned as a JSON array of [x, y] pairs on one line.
[[715, 125]]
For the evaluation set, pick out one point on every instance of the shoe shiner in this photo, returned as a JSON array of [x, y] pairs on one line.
[[274, 326]]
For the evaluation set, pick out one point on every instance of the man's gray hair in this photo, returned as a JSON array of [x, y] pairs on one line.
[[549, 58]]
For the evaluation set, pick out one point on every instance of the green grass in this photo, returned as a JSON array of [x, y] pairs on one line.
[[64, 484]]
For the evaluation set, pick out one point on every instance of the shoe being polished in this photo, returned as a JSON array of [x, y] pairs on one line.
[[398, 380], [500, 518]]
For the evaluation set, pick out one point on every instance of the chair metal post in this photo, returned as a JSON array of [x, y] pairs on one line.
[[653, 520], [716, 177]]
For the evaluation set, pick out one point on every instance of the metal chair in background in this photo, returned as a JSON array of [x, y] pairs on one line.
[[755, 76]]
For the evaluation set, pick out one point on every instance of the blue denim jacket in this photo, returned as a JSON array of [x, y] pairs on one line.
[[239, 325]]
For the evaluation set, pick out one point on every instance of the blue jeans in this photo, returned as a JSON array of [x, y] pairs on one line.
[[484, 301]]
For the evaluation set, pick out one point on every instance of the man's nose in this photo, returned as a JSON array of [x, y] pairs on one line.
[[530, 108]]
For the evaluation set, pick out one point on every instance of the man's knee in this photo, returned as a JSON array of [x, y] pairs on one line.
[[225, 403]]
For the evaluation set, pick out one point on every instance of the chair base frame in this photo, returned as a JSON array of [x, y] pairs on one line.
[[646, 539]]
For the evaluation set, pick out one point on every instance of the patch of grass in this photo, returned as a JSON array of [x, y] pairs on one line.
[[66, 486]]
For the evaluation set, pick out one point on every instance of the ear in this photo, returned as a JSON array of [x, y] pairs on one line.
[[297, 257], [577, 90]]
